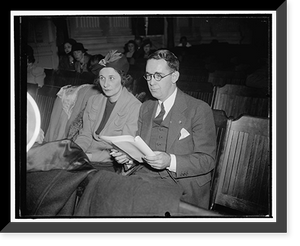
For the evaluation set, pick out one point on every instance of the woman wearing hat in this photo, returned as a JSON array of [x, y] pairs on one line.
[[81, 58], [113, 113], [66, 60]]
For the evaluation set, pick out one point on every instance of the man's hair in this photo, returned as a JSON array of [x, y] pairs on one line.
[[166, 55]]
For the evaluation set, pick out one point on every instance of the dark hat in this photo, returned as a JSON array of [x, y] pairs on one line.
[[115, 60], [78, 46], [70, 41], [146, 41]]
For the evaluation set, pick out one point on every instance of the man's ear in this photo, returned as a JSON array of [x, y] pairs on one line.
[[175, 76]]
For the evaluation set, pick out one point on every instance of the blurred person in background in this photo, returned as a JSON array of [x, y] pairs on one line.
[[66, 60]]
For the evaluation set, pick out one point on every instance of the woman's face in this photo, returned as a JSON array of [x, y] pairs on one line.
[[78, 55], [110, 81], [67, 48], [130, 47], [147, 48]]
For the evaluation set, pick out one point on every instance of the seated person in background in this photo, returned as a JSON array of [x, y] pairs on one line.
[[93, 64], [260, 77], [141, 57], [35, 74], [179, 129], [112, 113], [138, 42], [183, 42], [129, 51], [145, 50], [81, 58], [140, 64], [147, 45], [66, 60]]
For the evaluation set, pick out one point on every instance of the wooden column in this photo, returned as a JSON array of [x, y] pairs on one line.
[[119, 26], [84, 26]]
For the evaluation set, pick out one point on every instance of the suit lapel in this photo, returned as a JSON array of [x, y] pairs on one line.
[[147, 121], [99, 107], [177, 120]]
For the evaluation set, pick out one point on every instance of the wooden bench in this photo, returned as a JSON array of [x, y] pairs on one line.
[[237, 100], [45, 98], [220, 119], [242, 175], [203, 91], [223, 77]]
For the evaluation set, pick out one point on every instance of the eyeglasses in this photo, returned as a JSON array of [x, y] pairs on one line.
[[156, 76]]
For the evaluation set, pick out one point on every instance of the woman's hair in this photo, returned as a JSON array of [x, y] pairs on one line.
[[29, 54], [166, 55], [130, 42], [30, 58]]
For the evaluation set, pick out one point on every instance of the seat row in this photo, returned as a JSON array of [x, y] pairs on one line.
[[235, 100], [242, 176]]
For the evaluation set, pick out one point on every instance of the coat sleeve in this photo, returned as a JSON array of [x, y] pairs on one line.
[[84, 138]]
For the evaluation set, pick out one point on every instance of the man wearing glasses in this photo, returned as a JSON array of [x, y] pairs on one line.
[[179, 129]]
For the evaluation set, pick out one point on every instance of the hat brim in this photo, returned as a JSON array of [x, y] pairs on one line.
[[84, 50]]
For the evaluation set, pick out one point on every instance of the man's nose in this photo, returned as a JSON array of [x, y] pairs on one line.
[[152, 80]]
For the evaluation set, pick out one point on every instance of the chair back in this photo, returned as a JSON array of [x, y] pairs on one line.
[[220, 119], [45, 98], [237, 100], [241, 180], [223, 77], [202, 91]]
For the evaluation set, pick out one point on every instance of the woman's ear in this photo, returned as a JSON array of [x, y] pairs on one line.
[[175, 76]]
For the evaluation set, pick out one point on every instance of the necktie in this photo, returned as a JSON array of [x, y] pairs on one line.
[[159, 118]]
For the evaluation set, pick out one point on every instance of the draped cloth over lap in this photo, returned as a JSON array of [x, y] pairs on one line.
[[54, 172], [109, 194], [53, 193], [57, 170]]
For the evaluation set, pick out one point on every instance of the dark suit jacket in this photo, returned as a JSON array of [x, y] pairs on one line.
[[195, 153]]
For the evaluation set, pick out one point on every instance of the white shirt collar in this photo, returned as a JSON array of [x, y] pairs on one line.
[[168, 103]]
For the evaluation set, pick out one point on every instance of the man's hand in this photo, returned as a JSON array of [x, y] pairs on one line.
[[120, 157], [160, 161]]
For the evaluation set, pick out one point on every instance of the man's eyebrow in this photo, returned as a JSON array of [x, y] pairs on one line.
[[156, 72]]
